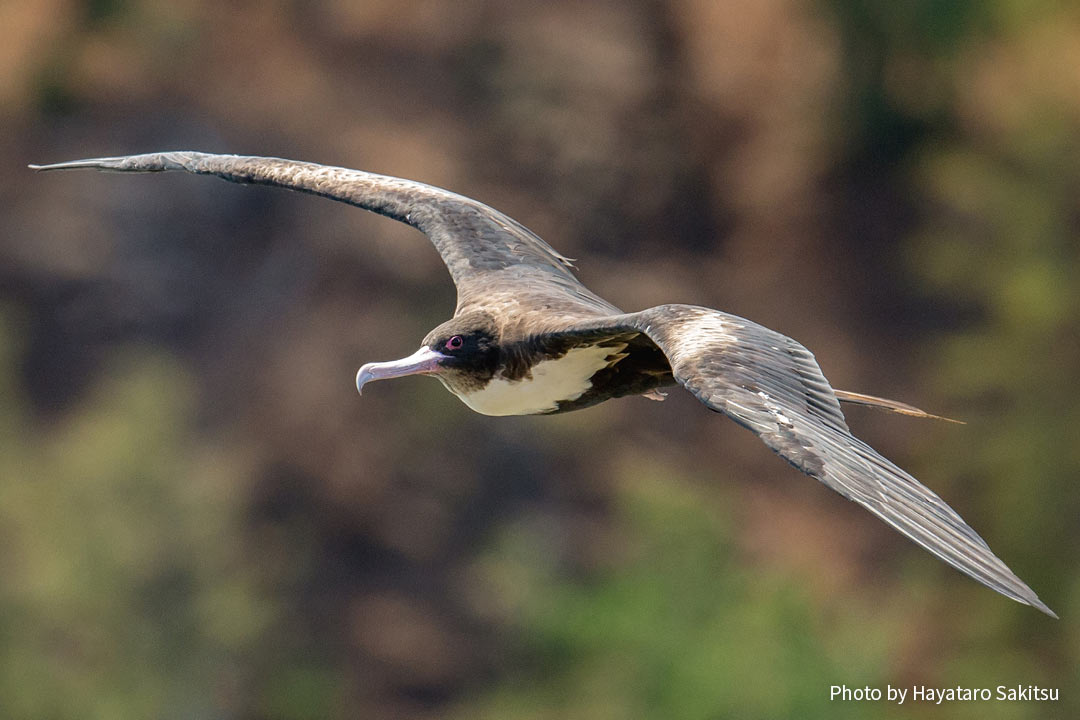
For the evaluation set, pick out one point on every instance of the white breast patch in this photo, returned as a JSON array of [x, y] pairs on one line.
[[565, 378]]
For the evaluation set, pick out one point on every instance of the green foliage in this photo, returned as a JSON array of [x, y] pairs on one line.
[[1002, 244], [674, 627], [122, 596], [139, 581], [677, 628]]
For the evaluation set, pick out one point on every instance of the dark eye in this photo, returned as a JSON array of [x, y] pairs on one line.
[[455, 343]]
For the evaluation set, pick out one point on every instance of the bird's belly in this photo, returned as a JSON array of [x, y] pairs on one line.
[[549, 383]]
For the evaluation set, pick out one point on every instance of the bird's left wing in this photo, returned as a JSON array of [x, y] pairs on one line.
[[772, 385], [479, 245]]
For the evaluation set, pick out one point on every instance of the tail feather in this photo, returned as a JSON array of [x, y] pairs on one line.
[[895, 406]]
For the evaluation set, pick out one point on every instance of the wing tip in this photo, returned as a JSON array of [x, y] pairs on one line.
[[145, 162], [99, 163], [52, 166], [1039, 605]]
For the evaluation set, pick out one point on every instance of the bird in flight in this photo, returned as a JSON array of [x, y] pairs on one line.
[[527, 338]]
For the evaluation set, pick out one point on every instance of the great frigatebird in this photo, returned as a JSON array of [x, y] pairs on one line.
[[527, 338]]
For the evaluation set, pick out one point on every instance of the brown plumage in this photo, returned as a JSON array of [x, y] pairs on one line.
[[528, 338]]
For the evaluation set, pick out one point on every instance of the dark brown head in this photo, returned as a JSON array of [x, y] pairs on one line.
[[463, 353]]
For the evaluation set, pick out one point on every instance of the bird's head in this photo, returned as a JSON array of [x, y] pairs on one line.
[[462, 352]]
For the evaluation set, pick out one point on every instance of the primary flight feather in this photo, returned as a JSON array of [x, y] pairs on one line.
[[528, 338]]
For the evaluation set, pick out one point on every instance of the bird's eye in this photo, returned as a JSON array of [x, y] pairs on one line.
[[455, 343]]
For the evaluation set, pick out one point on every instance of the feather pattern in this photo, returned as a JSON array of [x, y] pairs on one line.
[[772, 385], [481, 247], [504, 273]]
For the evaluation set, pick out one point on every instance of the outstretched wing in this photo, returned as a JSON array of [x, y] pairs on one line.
[[772, 385], [480, 245]]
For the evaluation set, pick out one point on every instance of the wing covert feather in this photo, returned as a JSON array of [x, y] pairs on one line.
[[772, 385]]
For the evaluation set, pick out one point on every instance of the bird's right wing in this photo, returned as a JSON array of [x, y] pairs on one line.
[[479, 244]]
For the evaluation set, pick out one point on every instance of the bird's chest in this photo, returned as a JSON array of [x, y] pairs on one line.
[[548, 383]]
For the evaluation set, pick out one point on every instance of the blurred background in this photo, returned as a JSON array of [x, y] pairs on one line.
[[199, 517]]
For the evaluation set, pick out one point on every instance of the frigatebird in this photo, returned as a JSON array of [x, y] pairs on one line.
[[527, 338]]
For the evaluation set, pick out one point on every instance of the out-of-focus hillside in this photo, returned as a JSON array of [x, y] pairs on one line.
[[200, 518]]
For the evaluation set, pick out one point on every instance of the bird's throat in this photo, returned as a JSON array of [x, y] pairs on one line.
[[548, 383]]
